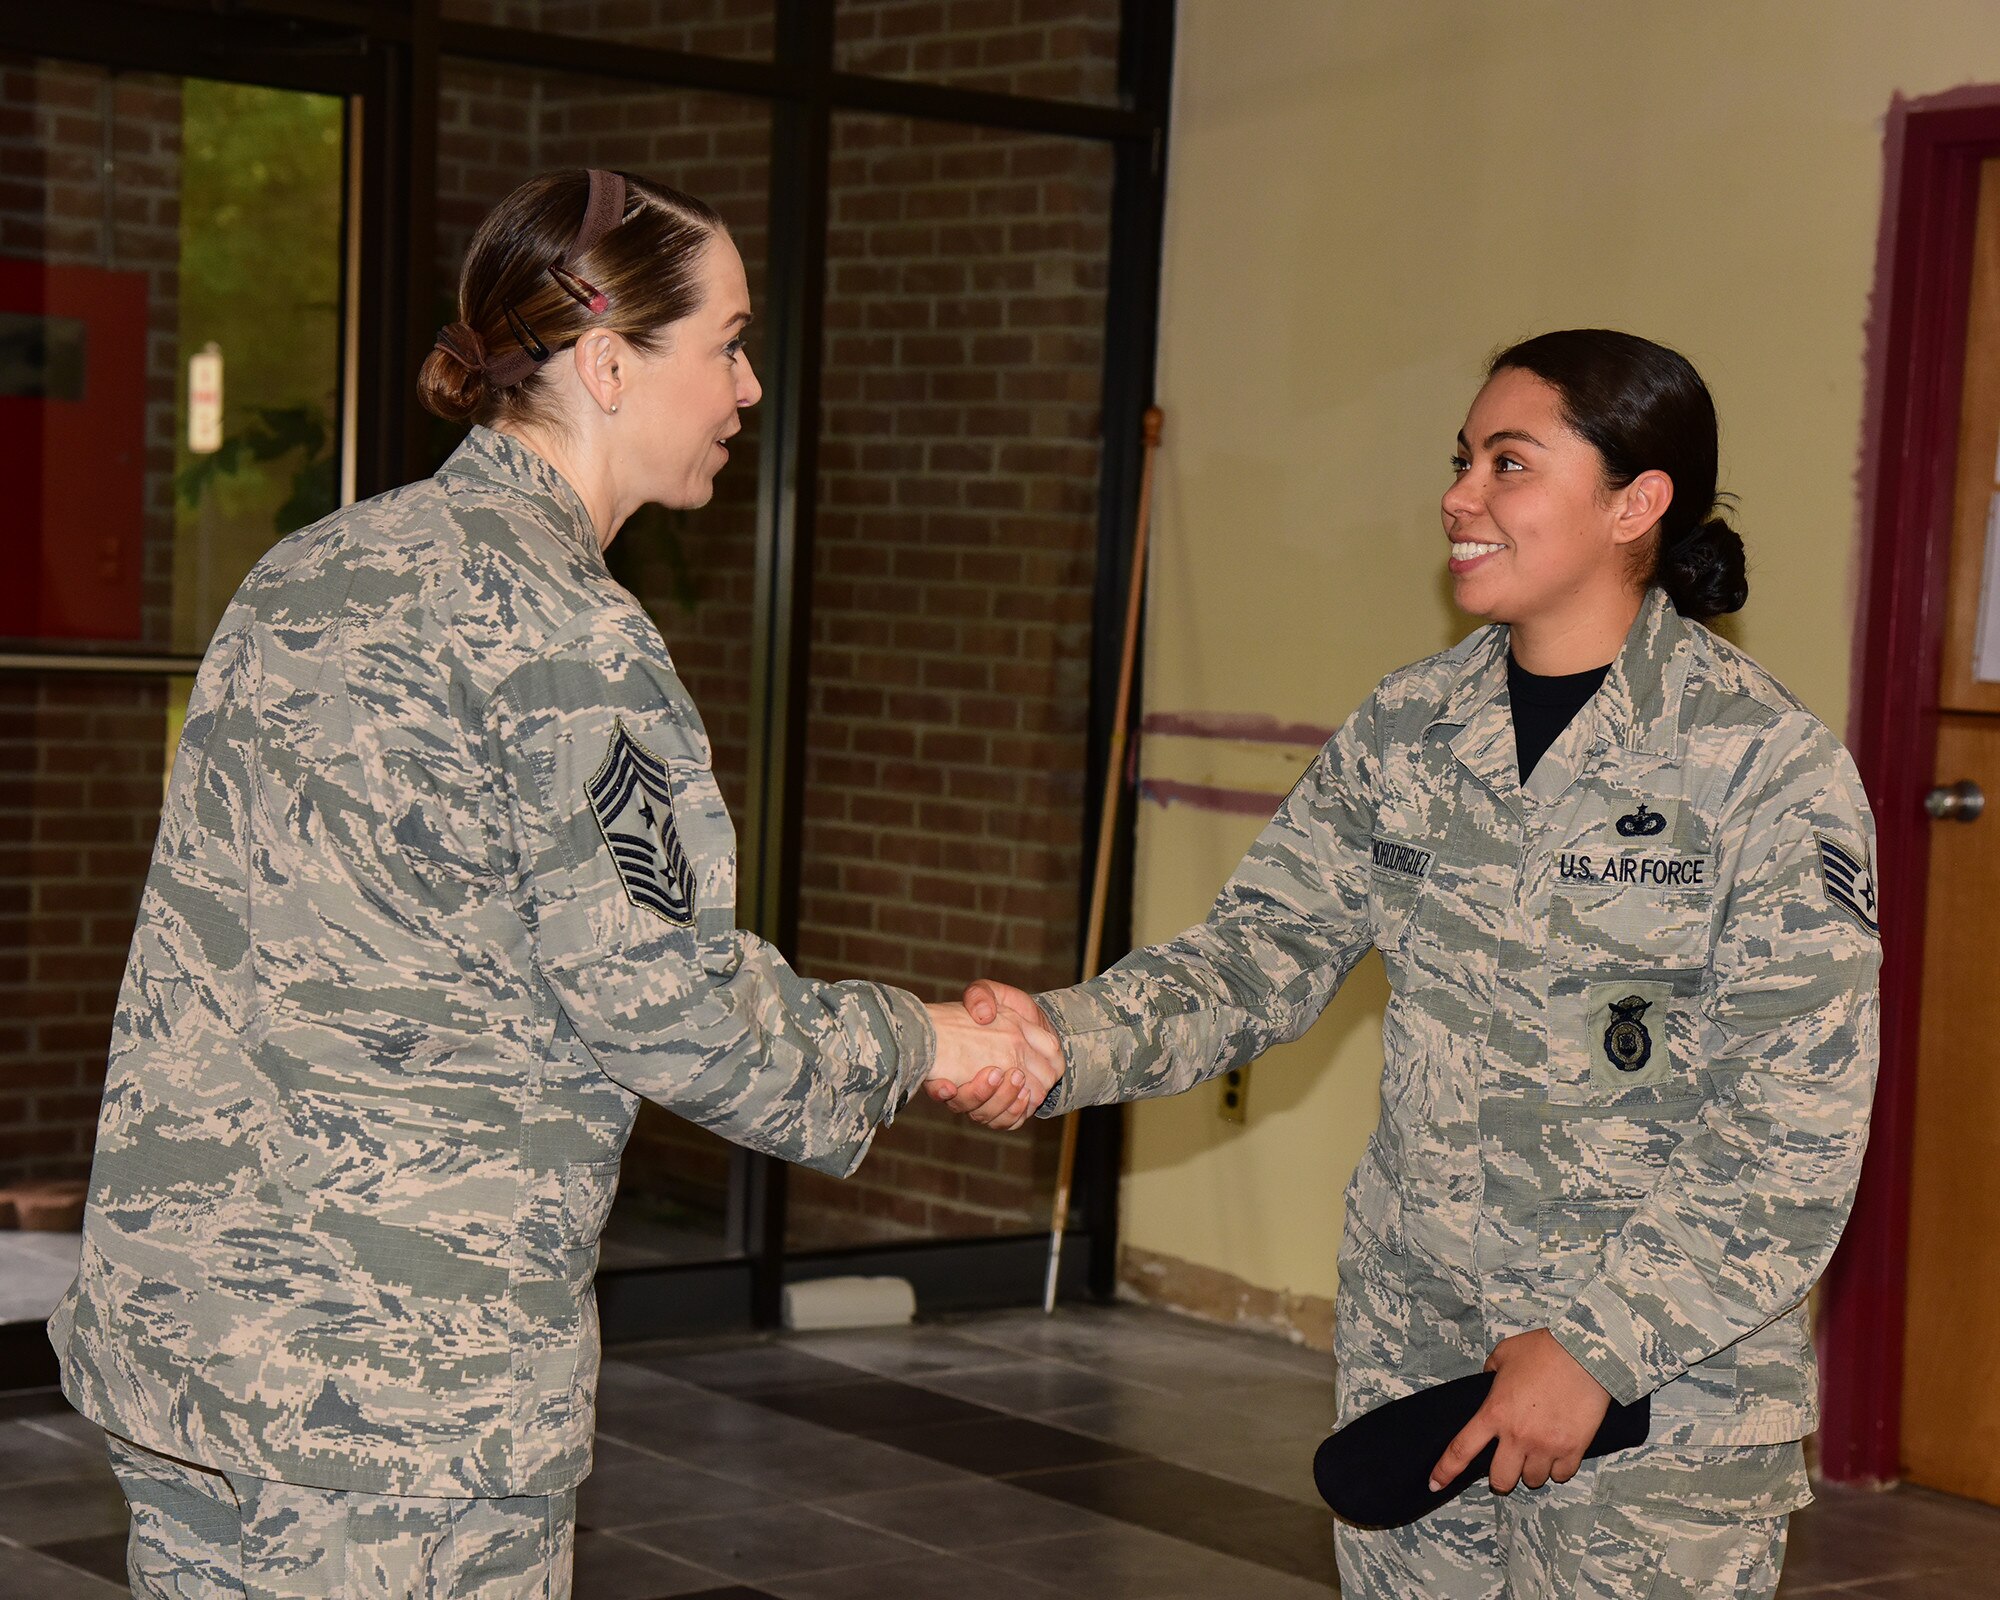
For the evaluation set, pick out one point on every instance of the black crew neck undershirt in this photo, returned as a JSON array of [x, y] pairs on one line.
[[1543, 707]]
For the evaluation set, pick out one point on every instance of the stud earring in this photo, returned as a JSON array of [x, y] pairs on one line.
[[614, 405]]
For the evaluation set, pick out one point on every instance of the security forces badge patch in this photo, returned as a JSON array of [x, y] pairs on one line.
[[1849, 882], [1627, 1048], [632, 796], [1627, 1044]]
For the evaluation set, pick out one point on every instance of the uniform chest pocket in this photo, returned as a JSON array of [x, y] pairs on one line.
[[1629, 926], [1627, 1041]]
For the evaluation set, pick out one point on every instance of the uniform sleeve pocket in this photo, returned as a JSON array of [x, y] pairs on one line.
[[1392, 903]]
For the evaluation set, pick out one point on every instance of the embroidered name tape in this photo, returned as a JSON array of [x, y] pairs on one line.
[[1849, 882], [632, 797], [1405, 860]]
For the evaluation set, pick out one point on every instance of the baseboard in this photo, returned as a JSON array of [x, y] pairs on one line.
[[1222, 1297]]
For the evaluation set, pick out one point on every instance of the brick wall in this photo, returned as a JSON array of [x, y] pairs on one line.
[[80, 778], [81, 758], [707, 27], [1058, 49], [951, 605]]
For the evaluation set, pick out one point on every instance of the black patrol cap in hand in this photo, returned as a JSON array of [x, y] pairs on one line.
[[1375, 1472]]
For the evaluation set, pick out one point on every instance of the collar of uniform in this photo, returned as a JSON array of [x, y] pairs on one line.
[[502, 460], [1640, 702], [1482, 678]]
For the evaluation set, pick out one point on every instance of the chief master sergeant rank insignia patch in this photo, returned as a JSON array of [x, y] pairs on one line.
[[1849, 883], [633, 798]]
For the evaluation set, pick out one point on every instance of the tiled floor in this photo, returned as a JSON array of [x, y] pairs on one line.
[[1116, 1454], [35, 1268]]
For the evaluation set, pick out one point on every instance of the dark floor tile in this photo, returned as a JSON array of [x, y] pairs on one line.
[[629, 1485], [609, 1567], [734, 1591], [898, 1352], [1192, 1431], [962, 1516], [777, 1541], [815, 1462], [103, 1554], [76, 1426], [1122, 1563], [997, 1446], [733, 1369], [1827, 1544], [875, 1408], [28, 1451], [926, 1577], [55, 1509], [1978, 1583], [1229, 1518], [31, 1403], [1034, 1387], [33, 1576]]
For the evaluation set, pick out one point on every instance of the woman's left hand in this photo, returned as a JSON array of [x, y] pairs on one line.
[[1544, 1409]]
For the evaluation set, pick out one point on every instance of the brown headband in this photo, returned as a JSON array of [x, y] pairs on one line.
[[602, 212]]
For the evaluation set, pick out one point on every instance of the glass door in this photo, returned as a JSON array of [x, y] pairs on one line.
[[172, 307]]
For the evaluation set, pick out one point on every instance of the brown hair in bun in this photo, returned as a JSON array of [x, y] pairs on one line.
[[514, 311]]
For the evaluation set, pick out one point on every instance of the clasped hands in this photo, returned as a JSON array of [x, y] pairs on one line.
[[997, 1056]]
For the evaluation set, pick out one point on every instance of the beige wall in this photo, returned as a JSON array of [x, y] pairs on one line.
[[1367, 197]]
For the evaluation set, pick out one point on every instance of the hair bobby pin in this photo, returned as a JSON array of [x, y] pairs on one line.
[[524, 335], [584, 293], [604, 210]]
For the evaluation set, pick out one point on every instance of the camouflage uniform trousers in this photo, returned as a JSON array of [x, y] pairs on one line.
[[1655, 1523], [198, 1534]]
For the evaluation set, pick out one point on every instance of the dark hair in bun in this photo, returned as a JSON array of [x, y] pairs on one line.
[[1644, 408]]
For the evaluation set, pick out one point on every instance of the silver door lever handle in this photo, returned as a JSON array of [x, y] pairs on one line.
[[1956, 802]]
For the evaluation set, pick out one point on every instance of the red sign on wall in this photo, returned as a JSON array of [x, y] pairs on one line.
[[72, 451]]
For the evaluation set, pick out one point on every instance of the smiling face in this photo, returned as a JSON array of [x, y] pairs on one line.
[[1537, 540], [679, 403]]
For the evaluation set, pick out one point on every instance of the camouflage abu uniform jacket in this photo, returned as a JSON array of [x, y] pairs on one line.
[[1631, 1040], [443, 885]]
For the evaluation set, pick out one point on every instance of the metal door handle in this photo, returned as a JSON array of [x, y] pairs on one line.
[[1956, 802]]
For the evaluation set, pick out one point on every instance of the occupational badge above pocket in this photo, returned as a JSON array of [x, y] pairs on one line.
[[632, 797], [1625, 1034]]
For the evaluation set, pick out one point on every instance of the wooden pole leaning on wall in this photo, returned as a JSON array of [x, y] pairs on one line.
[[1107, 825]]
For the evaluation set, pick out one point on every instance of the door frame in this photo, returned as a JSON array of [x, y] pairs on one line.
[[1933, 148]]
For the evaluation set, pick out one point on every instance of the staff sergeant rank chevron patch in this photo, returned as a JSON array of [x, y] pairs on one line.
[[1849, 883], [632, 796]]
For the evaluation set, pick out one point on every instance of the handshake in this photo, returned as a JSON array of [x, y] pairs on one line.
[[997, 1056]]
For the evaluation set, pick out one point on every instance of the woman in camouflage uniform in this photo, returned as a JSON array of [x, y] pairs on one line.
[[443, 886], [1620, 881]]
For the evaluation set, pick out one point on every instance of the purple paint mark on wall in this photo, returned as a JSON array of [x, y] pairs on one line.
[[1207, 797], [1249, 727]]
